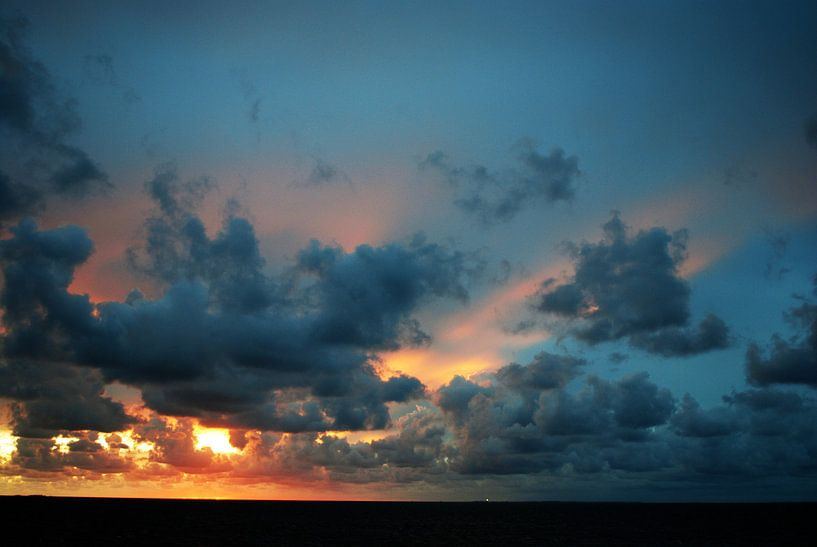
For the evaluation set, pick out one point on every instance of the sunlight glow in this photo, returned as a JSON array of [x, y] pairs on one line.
[[126, 438], [217, 440], [61, 443], [8, 444]]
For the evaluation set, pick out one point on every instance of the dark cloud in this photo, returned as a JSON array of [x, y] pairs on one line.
[[628, 286], [16, 198], [693, 421], [36, 122], [525, 421], [545, 371], [53, 398], [711, 333], [454, 397], [756, 433], [788, 361], [226, 342], [625, 428], [497, 197], [416, 452], [367, 293]]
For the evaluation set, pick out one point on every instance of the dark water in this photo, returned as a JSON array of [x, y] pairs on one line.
[[74, 521]]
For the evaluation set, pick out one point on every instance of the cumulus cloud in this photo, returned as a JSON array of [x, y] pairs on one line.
[[792, 360], [625, 428], [763, 432], [37, 122], [53, 398], [628, 287], [493, 197], [226, 342], [509, 426], [544, 421]]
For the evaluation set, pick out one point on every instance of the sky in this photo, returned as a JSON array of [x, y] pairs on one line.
[[409, 251]]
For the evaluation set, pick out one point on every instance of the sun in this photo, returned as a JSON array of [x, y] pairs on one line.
[[8, 444], [216, 439]]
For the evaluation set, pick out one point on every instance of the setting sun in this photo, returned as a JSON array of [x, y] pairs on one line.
[[217, 440], [7, 445]]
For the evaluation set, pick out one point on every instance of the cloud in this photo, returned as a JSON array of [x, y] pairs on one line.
[[627, 286], [777, 428], [38, 122], [53, 398], [524, 420], [789, 361], [624, 428], [83, 456], [544, 423], [498, 197], [367, 293], [226, 342], [16, 198], [711, 333]]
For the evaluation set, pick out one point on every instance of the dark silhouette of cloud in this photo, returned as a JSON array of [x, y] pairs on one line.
[[226, 342], [497, 197], [711, 333], [53, 398], [789, 361], [627, 286], [629, 427], [16, 198], [36, 123]]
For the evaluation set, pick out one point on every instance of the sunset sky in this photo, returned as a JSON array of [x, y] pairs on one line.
[[409, 250]]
